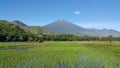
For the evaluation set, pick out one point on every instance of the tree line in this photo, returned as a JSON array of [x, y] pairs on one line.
[[70, 37]]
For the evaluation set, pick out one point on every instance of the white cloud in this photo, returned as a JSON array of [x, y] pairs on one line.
[[77, 12]]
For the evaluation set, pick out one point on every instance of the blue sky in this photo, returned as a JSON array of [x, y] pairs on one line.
[[86, 13]]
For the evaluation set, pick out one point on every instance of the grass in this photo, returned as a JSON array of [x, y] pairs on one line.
[[60, 55]]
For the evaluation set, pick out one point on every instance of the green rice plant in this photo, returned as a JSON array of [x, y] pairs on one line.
[[60, 55]]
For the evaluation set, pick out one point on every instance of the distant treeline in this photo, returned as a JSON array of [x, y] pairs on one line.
[[60, 37], [69, 37]]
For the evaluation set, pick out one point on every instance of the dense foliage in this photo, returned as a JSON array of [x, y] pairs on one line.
[[10, 32], [69, 37]]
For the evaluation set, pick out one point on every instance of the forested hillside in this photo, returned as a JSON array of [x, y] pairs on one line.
[[11, 32], [33, 29]]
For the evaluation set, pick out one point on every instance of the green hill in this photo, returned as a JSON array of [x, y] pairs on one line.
[[11, 32], [34, 29]]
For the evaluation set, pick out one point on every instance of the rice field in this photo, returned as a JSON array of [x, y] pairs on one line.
[[86, 54]]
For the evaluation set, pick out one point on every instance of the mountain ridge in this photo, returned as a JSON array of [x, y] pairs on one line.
[[11, 32], [33, 29], [66, 27]]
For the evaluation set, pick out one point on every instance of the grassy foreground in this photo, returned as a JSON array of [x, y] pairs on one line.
[[60, 55]]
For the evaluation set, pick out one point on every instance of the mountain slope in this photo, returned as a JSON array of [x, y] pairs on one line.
[[19, 23], [65, 27], [33, 29], [62, 26], [11, 32]]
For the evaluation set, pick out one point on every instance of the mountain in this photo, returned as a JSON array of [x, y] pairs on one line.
[[65, 27], [62, 26], [33, 29], [19, 23], [11, 32]]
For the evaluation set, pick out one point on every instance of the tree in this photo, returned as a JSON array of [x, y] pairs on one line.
[[110, 38], [40, 40]]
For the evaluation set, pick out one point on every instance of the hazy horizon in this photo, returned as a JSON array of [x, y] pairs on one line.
[[96, 14]]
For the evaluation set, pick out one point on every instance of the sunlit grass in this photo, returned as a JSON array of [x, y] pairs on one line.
[[61, 55]]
